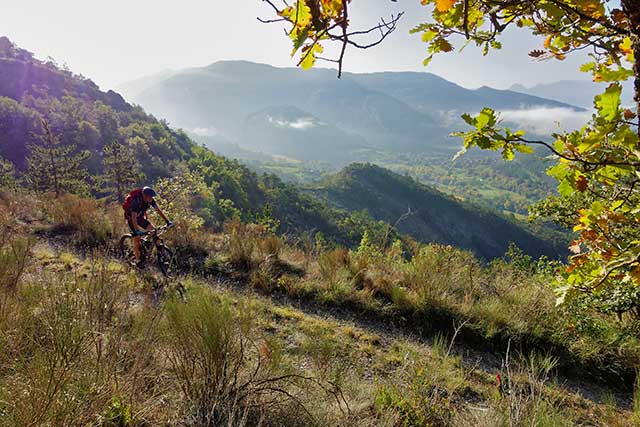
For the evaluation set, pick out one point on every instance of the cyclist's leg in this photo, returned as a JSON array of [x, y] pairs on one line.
[[146, 225], [136, 239]]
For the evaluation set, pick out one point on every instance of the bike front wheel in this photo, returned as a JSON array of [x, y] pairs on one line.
[[166, 261], [126, 249]]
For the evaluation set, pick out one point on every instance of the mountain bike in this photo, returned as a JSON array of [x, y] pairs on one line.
[[151, 240]]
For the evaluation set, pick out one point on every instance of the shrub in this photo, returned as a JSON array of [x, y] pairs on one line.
[[241, 243], [66, 347], [226, 377], [83, 216], [15, 252], [332, 262], [421, 393], [522, 398], [269, 246]]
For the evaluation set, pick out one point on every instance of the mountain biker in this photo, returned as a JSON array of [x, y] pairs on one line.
[[135, 208]]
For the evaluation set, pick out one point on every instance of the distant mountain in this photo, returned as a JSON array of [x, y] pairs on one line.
[[80, 114], [574, 92], [434, 216], [396, 112], [134, 87], [429, 93]]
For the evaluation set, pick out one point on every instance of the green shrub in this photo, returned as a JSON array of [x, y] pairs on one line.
[[117, 414]]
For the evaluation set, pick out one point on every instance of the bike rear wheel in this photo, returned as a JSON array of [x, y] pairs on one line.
[[166, 261], [126, 249]]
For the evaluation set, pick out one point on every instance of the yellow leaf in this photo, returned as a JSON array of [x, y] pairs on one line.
[[626, 46], [444, 5], [309, 55]]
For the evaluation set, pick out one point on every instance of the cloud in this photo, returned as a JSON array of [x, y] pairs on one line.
[[303, 123], [205, 131], [546, 120]]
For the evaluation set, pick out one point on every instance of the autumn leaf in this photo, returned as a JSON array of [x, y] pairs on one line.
[[626, 46], [444, 5], [629, 115], [309, 52], [575, 247], [582, 183]]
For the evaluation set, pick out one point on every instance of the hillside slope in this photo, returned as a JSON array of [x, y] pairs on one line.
[[434, 217], [82, 115]]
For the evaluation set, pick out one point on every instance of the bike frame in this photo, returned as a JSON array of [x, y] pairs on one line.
[[151, 239]]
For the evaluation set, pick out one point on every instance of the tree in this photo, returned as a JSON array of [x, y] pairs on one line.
[[121, 170], [7, 174], [53, 166], [598, 166]]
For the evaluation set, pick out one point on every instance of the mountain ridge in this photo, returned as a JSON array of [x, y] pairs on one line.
[[410, 111], [427, 214]]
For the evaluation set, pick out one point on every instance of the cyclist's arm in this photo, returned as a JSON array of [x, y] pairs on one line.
[[162, 215]]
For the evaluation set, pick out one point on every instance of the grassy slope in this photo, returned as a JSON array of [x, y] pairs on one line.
[[138, 356]]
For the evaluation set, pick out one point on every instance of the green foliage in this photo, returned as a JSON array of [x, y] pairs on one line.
[[117, 414], [121, 170], [267, 220], [7, 174], [53, 166], [179, 197]]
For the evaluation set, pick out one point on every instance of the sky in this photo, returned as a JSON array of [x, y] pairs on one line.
[[115, 41]]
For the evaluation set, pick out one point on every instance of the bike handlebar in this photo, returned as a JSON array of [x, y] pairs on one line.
[[159, 230]]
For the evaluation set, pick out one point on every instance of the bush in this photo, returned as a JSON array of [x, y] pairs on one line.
[[85, 217], [226, 377], [65, 344], [332, 262], [241, 243], [15, 252]]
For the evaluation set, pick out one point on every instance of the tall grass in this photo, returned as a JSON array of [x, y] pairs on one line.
[[90, 222], [227, 376], [64, 353]]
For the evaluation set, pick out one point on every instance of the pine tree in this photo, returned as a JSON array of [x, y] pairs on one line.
[[121, 170], [7, 174], [53, 166]]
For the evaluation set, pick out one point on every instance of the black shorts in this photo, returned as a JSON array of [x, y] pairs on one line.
[[142, 222]]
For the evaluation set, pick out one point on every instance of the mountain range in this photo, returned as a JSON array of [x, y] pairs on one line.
[[359, 113], [574, 92]]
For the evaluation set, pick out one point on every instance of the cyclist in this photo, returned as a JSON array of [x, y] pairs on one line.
[[135, 208]]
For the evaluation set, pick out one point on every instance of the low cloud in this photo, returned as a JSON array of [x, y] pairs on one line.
[[300, 124], [546, 120], [205, 131]]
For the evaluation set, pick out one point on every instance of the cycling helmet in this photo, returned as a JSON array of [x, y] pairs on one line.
[[148, 191]]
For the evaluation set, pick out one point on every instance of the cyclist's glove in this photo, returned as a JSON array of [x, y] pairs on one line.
[[169, 223]]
